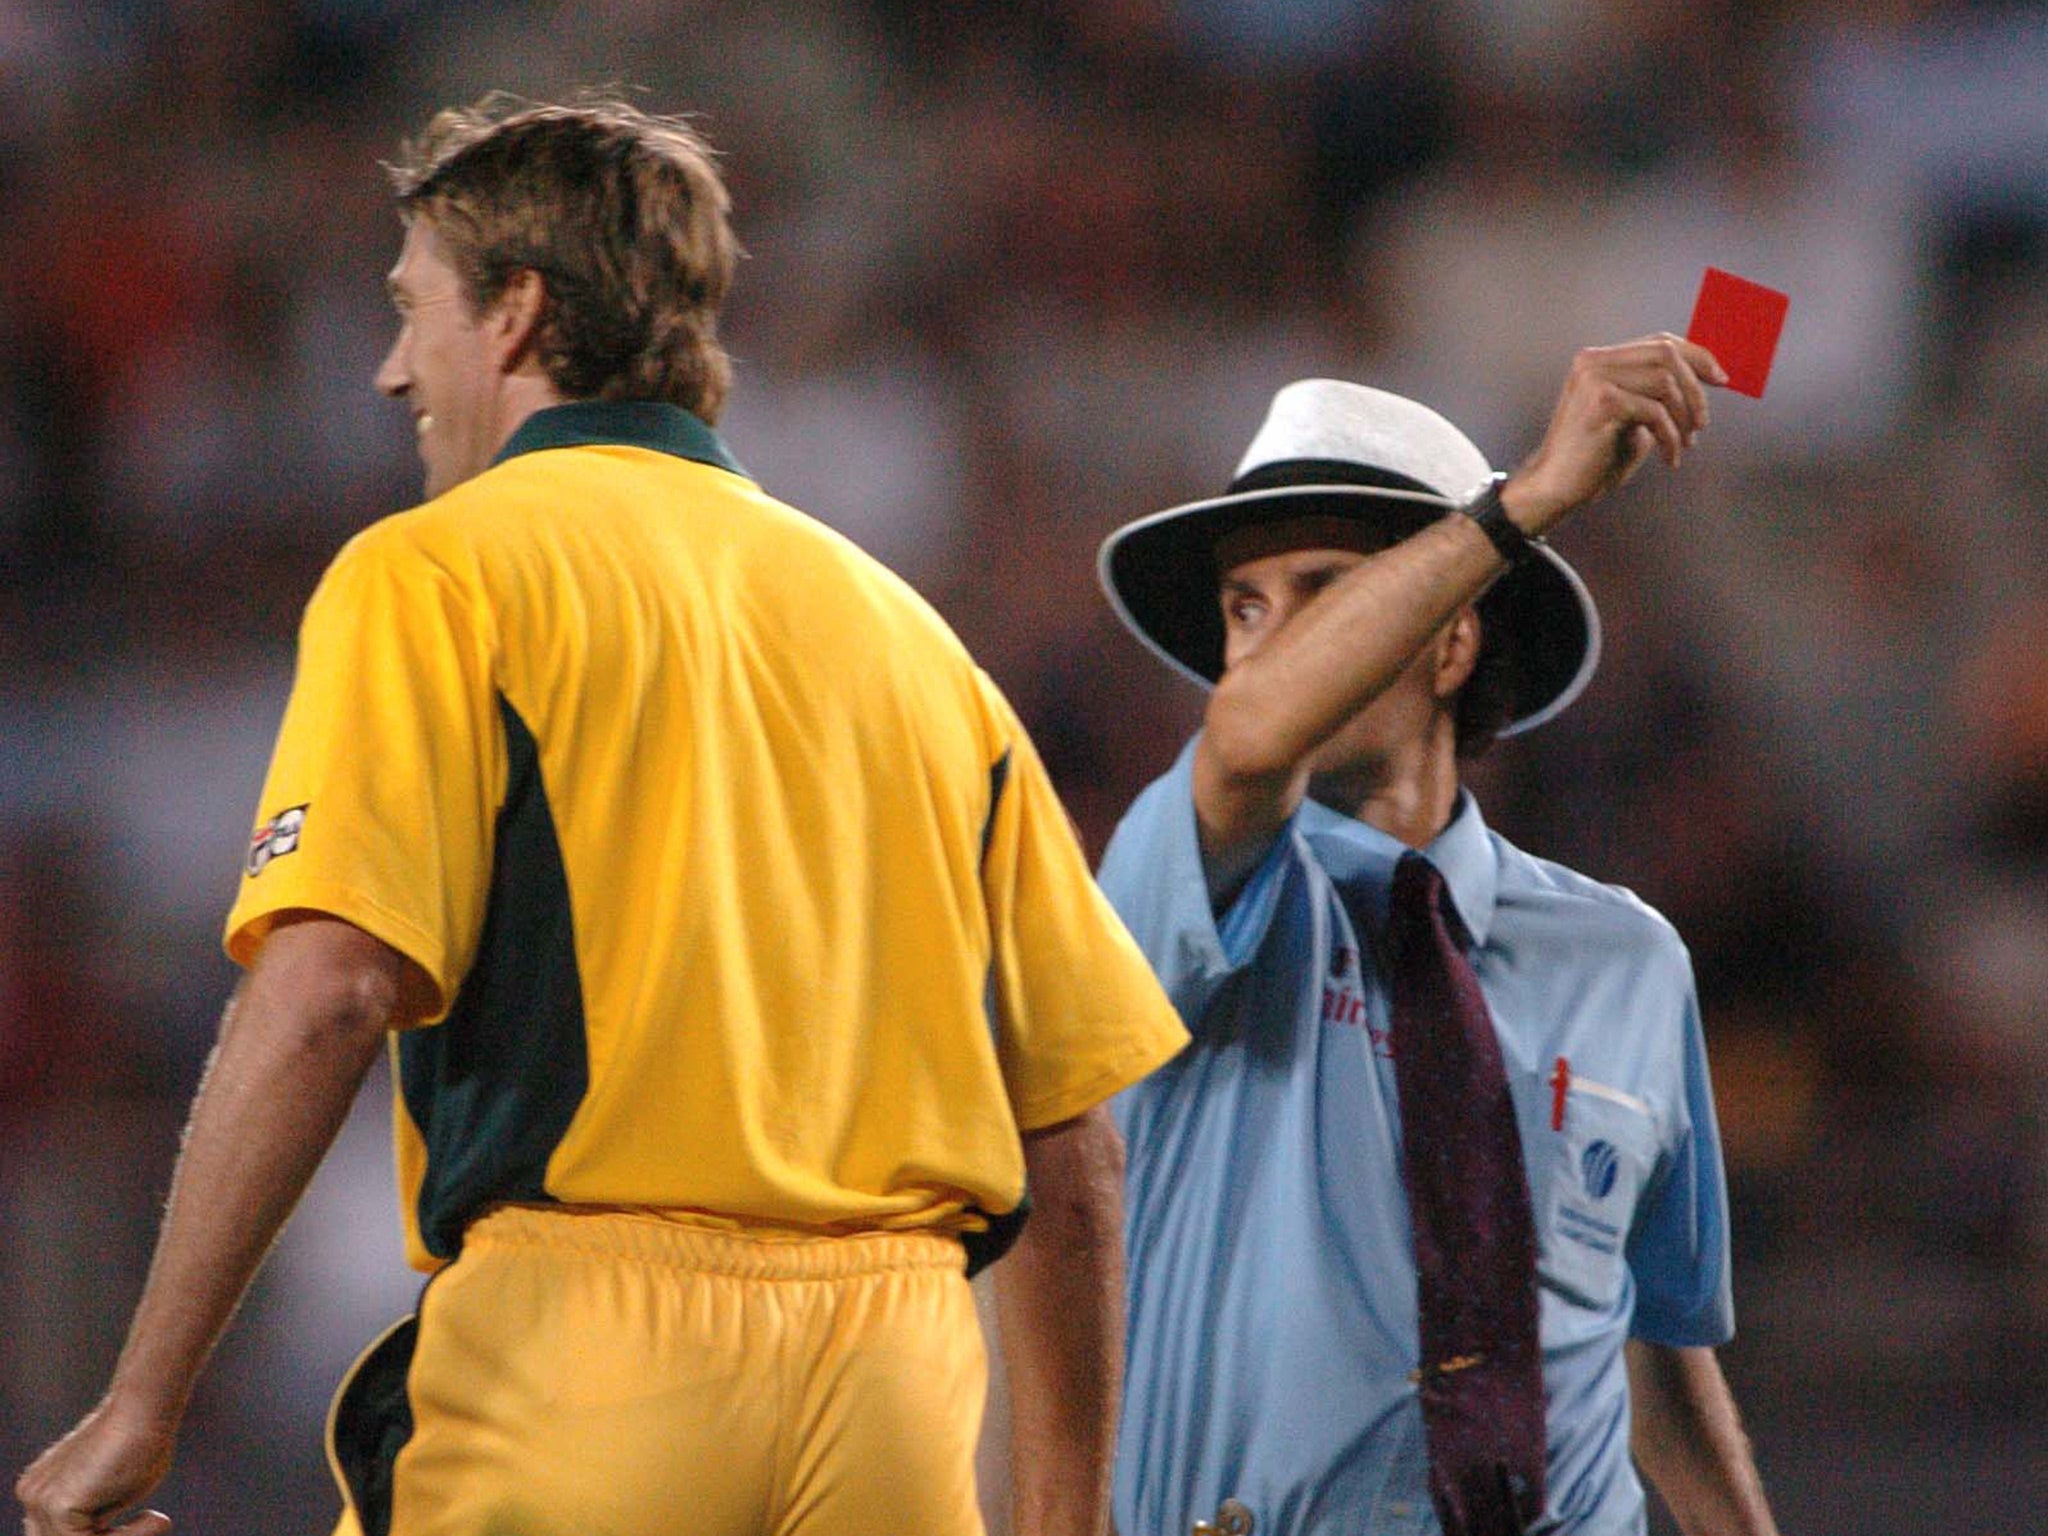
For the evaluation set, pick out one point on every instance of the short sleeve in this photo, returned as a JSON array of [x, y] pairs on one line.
[[1153, 876], [1678, 1246], [1078, 1013], [380, 801]]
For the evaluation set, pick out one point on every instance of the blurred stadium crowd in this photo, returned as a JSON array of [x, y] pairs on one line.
[[1017, 274]]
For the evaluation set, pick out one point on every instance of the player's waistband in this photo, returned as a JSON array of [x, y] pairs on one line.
[[745, 1253]]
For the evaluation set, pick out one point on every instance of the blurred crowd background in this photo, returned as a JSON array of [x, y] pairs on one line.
[[1019, 273]]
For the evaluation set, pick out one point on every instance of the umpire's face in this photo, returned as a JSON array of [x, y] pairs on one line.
[[1271, 575], [442, 364]]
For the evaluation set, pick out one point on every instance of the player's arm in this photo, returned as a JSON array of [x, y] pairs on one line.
[[295, 1043], [1060, 1304], [1274, 707], [1688, 1437]]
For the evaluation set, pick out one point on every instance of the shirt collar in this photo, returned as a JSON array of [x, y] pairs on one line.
[[628, 423], [1361, 858]]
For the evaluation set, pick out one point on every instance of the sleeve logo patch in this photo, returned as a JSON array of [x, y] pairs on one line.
[[275, 838]]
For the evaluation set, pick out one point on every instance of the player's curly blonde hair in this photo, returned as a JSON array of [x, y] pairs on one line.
[[622, 214]]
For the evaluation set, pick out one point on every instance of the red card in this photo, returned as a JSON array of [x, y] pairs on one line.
[[1739, 321]]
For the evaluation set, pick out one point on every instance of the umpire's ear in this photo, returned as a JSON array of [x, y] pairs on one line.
[[1457, 652]]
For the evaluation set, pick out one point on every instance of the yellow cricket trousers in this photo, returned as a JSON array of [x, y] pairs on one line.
[[604, 1373]]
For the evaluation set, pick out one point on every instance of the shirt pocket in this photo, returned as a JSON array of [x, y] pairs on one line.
[[1585, 1181]]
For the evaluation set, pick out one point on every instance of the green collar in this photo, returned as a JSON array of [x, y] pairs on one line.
[[630, 423]]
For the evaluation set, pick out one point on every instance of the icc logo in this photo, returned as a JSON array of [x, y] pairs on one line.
[[1599, 1165]]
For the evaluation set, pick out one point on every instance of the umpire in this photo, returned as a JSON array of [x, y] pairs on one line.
[[738, 963], [1427, 1227]]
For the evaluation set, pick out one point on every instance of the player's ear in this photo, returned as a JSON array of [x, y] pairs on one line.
[[515, 320], [1457, 652]]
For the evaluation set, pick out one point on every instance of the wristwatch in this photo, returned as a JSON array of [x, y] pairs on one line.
[[1485, 509]]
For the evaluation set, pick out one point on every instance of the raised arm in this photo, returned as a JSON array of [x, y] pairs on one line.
[[295, 1043], [1688, 1437], [1060, 1301], [1275, 706]]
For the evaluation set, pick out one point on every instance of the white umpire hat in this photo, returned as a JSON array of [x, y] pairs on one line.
[[1334, 449]]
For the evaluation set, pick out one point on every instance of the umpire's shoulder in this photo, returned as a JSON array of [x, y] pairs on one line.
[[1598, 913]]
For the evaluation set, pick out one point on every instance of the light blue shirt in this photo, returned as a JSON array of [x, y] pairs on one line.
[[1272, 1287]]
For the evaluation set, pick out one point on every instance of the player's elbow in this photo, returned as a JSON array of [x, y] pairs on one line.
[[333, 984], [1075, 1171]]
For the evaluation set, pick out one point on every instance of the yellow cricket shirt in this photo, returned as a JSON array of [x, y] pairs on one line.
[[743, 892]]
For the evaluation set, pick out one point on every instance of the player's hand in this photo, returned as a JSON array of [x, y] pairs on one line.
[[1618, 406], [105, 1466]]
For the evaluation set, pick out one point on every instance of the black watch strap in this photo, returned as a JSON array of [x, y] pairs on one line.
[[1485, 509]]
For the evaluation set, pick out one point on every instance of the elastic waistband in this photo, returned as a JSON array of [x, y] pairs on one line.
[[754, 1253]]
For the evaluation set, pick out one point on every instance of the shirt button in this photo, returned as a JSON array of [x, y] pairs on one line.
[[1400, 1509]]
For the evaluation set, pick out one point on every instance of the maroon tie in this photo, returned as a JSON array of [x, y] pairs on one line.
[[1481, 1377]]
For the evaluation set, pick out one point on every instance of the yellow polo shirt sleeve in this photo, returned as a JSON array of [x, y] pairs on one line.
[[383, 787], [1078, 1012]]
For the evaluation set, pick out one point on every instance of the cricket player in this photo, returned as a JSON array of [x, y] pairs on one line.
[[741, 972]]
